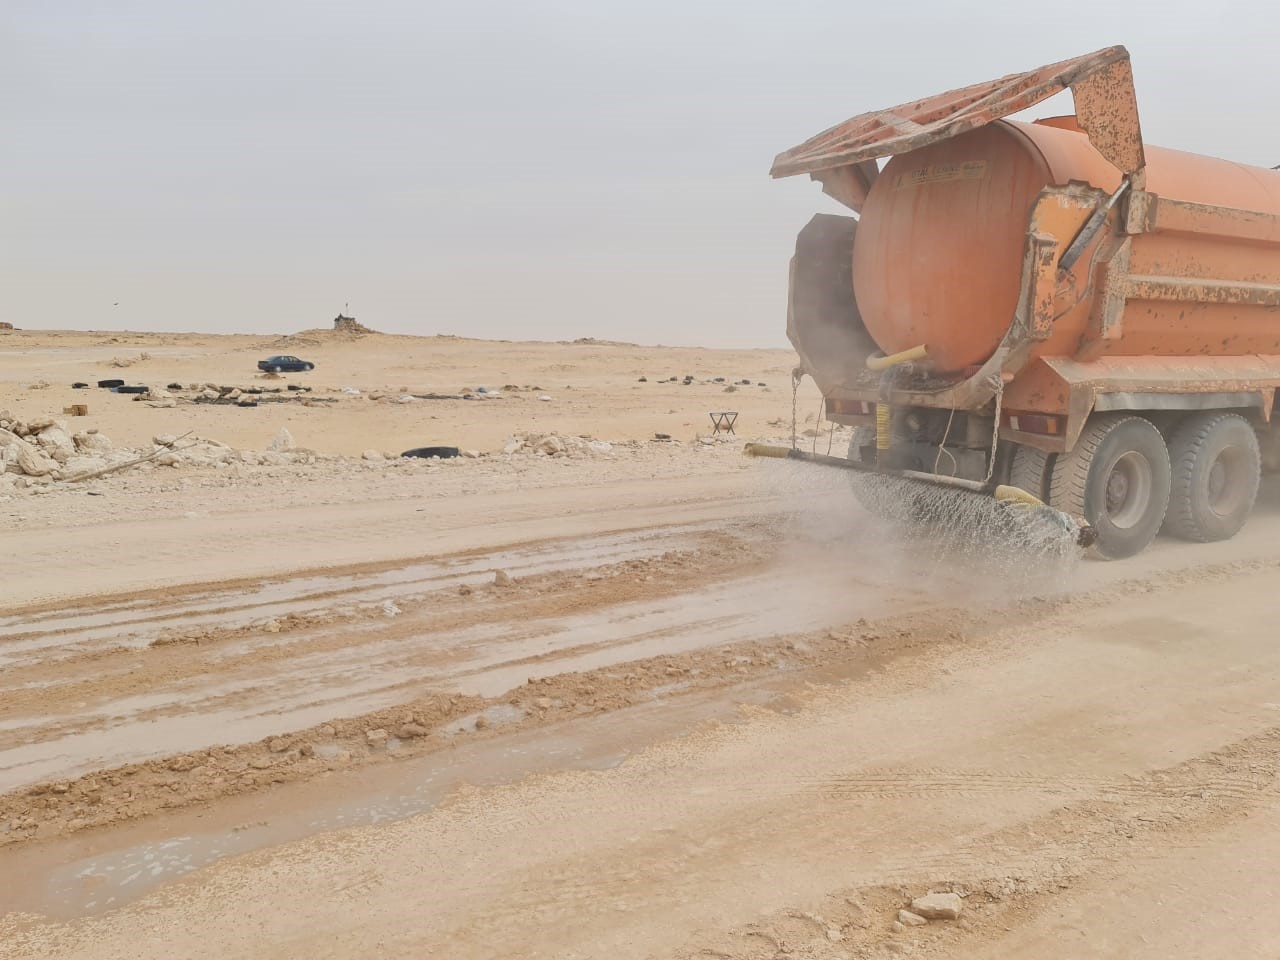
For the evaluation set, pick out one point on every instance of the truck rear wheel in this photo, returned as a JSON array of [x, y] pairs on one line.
[[1030, 471], [1216, 470], [1117, 477]]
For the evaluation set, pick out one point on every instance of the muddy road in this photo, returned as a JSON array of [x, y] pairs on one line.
[[742, 721]]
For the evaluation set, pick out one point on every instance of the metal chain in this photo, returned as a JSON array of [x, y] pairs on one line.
[[995, 433], [797, 375]]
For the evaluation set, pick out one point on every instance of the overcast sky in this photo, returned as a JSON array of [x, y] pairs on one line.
[[523, 170]]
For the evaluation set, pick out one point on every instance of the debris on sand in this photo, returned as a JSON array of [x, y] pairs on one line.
[[938, 906], [910, 919], [283, 441], [560, 445]]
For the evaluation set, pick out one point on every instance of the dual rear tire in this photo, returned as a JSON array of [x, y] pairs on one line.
[[1128, 482]]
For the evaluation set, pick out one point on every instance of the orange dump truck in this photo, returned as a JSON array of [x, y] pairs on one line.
[[1055, 306]]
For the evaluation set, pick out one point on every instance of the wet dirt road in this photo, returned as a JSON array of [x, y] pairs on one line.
[[732, 743]]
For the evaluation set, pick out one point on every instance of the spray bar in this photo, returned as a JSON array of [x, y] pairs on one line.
[[997, 491]]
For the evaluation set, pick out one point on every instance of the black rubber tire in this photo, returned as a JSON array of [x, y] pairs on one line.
[[108, 384], [444, 453], [133, 389], [79, 386], [1111, 443], [1031, 470], [1198, 444]]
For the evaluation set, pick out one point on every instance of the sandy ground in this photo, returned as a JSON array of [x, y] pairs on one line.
[[594, 388], [658, 701]]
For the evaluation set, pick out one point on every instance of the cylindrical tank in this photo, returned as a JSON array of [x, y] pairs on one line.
[[938, 257]]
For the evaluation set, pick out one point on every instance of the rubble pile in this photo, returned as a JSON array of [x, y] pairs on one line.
[[43, 451], [558, 445]]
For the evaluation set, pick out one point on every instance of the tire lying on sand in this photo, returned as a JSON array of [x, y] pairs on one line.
[[1216, 471], [109, 384], [426, 453], [133, 389]]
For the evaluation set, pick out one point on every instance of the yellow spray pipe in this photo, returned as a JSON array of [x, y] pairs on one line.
[[1016, 495], [878, 363], [884, 415]]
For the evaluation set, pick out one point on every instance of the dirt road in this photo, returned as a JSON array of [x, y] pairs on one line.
[[747, 723]]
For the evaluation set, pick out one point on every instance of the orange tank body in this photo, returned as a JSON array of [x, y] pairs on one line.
[[938, 258], [1053, 306]]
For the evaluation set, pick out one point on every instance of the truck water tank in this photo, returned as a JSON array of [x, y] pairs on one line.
[[938, 257]]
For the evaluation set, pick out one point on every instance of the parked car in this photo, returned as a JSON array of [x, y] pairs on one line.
[[282, 364]]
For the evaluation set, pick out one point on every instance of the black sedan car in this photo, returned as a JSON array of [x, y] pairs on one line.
[[284, 364]]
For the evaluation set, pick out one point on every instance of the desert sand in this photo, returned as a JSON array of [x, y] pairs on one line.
[[585, 692]]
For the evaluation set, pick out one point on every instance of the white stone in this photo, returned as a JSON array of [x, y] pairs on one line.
[[92, 442], [938, 906], [33, 462], [77, 466], [283, 441], [909, 919], [55, 438], [551, 446]]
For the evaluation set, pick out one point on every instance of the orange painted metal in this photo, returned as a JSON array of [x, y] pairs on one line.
[[943, 229], [961, 236], [1101, 83]]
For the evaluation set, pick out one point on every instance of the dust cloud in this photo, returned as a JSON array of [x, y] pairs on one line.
[[909, 538]]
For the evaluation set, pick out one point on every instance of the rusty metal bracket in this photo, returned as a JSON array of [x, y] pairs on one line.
[[1043, 263]]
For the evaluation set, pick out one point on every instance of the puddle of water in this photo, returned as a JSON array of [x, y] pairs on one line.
[[499, 715], [107, 869], [486, 660], [70, 633]]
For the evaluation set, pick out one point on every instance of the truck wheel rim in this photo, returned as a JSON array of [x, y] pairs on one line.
[[1128, 489], [1225, 491]]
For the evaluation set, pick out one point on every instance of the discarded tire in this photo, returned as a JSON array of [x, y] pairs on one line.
[[444, 453], [109, 384], [133, 390], [174, 386], [79, 386]]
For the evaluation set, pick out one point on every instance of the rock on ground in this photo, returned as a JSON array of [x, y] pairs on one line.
[[938, 906], [283, 441]]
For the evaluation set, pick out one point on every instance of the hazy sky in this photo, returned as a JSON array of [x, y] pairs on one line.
[[527, 170]]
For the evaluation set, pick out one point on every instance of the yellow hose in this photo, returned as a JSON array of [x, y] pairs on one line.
[[906, 356], [764, 450], [1016, 495], [882, 426]]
